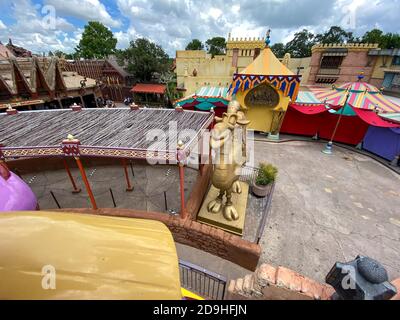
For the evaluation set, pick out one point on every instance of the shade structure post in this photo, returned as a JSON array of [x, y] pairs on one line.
[[71, 178], [129, 187], [181, 165], [70, 147], [2, 157], [328, 148]]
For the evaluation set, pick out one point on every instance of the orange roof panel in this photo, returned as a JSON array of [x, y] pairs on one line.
[[149, 88]]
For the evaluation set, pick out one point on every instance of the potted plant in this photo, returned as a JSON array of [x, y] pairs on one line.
[[266, 176]]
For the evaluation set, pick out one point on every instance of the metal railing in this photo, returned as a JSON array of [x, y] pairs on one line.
[[263, 205], [248, 174], [207, 284], [329, 71]]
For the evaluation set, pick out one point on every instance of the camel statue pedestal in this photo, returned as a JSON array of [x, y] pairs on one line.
[[217, 219]]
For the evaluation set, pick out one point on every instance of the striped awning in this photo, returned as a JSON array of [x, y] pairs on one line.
[[212, 92], [307, 97], [206, 98], [361, 95]]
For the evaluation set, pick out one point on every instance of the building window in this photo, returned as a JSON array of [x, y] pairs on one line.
[[257, 52], [331, 62], [396, 61]]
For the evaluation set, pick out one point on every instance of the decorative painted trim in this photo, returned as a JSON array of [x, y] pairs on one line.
[[289, 85]]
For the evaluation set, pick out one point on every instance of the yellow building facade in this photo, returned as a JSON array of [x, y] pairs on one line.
[[197, 68]]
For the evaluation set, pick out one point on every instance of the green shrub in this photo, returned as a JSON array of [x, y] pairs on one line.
[[267, 174]]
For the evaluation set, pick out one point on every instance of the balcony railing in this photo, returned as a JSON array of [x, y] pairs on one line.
[[329, 72], [207, 284]]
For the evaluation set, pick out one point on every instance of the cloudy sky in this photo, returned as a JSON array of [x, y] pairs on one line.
[[43, 25]]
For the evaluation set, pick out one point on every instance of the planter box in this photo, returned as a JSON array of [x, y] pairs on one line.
[[261, 191]]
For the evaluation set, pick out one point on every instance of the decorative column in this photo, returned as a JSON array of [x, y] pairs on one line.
[[181, 164], [2, 157], [70, 147], [213, 121], [76, 189], [129, 187], [211, 129]]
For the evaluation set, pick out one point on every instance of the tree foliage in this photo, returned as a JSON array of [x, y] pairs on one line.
[[216, 46], [301, 44], [143, 58], [97, 41], [195, 44], [279, 49], [385, 41], [304, 40], [335, 35]]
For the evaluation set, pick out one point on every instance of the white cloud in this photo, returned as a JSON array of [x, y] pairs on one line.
[[215, 13], [84, 9], [34, 30], [173, 23]]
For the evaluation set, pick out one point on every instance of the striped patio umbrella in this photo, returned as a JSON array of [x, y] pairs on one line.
[[362, 95]]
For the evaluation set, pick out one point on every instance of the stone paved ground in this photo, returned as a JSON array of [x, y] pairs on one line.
[[325, 208], [330, 208], [149, 182]]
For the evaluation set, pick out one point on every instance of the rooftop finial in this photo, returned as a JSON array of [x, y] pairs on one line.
[[268, 38], [361, 76]]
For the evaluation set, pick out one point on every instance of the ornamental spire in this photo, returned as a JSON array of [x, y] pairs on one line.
[[268, 38]]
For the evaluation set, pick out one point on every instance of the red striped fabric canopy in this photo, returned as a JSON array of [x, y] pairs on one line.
[[370, 117]]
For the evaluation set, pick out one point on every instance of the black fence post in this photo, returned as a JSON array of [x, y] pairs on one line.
[[112, 197], [165, 201], [55, 199]]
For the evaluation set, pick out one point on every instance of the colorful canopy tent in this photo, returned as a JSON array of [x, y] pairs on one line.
[[384, 142], [206, 98], [382, 137], [356, 97], [265, 88], [266, 68], [391, 116], [361, 95], [310, 120], [307, 97]]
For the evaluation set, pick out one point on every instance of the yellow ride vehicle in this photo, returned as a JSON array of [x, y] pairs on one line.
[[46, 255]]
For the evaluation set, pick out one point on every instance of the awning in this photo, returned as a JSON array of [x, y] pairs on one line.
[[312, 108], [370, 117], [149, 88], [307, 97], [334, 54], [206, 98]]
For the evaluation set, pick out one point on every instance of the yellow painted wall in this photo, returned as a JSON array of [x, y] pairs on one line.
[[379, 69], [217, 71], [261, 117], [295, 63]]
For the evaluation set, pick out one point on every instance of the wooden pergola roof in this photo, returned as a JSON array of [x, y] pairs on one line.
[[101, 132]]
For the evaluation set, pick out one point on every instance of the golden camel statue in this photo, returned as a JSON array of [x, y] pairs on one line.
[[229, 146]]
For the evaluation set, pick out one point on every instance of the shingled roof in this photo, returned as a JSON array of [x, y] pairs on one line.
[[102, 132]]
